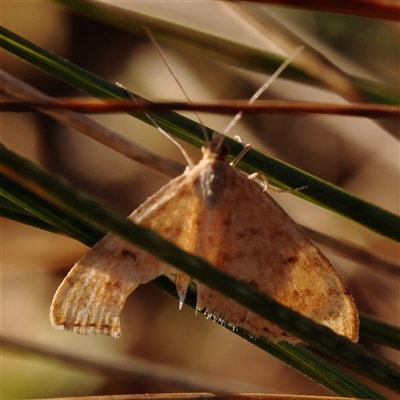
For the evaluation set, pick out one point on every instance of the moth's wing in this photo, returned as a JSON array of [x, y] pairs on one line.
[[247, 234], [91, 297], [174, 214]]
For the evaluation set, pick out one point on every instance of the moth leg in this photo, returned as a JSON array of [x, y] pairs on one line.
[[267, 187], [182, 283], [246, 148]]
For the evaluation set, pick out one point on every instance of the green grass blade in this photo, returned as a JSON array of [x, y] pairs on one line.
[[378, 331], [228, 51], [324, 194], [43, 214], [297, 357], [279, 173], [11, 211], [62, 194], [56, 66], [14, 194]]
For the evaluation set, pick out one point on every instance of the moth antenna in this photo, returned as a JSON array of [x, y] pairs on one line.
[[246, 148], [259, 92], [164, 132], [267, 187], [158, 48]]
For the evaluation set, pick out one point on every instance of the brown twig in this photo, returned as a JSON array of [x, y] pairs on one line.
[[205, 396], [380, 9], [129, 367], [354, 253], [85, 125], [223, 107]]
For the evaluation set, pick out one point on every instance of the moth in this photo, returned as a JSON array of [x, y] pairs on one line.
[[215, 212]]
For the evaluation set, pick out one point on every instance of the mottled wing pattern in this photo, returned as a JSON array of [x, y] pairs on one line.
[[215, 212], [245, 233], [91, 297]]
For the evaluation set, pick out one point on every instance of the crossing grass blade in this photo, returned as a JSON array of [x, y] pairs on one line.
[[279, 173], [61, 194]]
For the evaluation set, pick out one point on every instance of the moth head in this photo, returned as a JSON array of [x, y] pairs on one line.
[[216, 148]]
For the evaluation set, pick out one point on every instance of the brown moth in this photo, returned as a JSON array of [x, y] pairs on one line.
[[215, 212]]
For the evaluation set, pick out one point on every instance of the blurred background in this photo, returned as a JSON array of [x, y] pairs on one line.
[[356, 154]]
